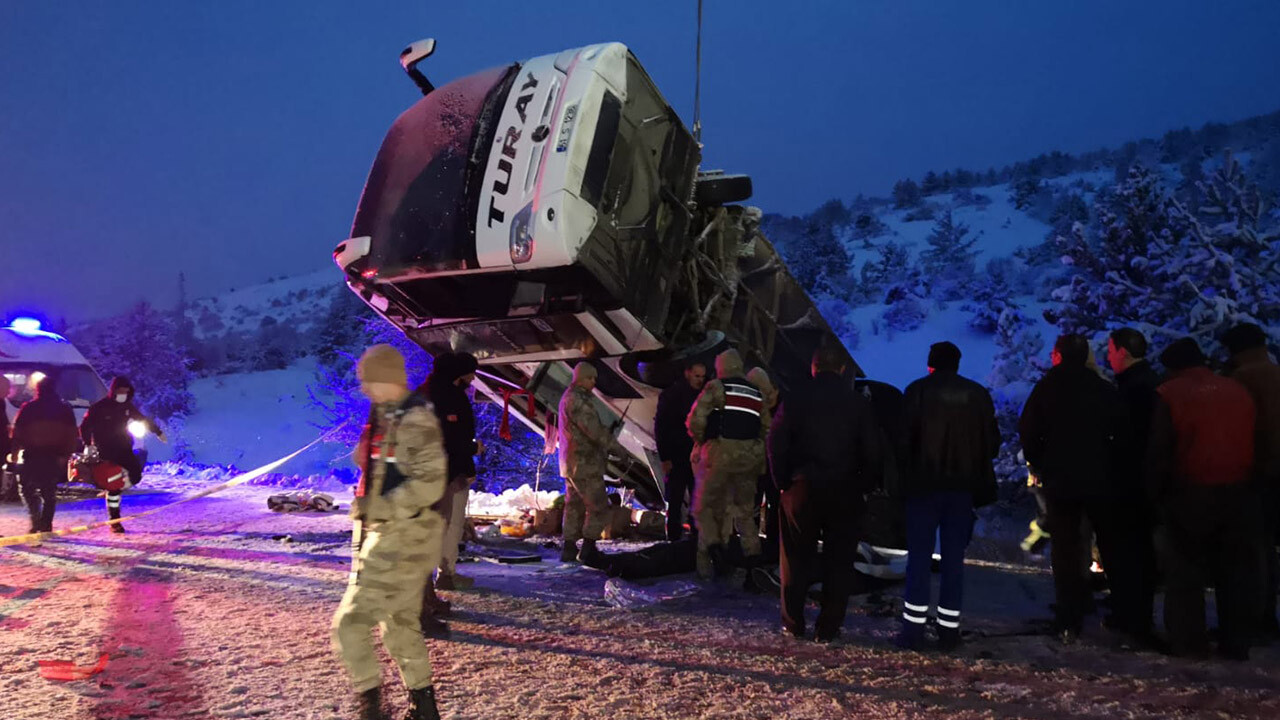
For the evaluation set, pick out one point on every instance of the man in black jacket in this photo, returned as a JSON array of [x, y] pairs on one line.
[[447, 385], [1134, 530], [106, 426], [675, 445], [45, 432], [823, 451], [1073, 428], [952, 438]]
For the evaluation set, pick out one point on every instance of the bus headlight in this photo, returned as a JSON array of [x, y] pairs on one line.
[[522, 235]]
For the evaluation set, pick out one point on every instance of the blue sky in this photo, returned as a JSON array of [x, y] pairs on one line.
[[229, 140]]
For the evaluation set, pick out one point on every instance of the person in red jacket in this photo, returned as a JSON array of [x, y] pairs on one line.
[[1200, 465]]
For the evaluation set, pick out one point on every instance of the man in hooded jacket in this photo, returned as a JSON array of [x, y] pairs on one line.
[[728, 424], [106, 426], [446, 387]]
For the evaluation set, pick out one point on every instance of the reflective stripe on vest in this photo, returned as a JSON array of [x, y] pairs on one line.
[[740, 417]]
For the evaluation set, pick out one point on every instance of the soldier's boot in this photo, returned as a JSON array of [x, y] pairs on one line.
[[703, 563], [114, 514], [589, 555], [569, 553], [751, 583], [454, 581], [370, 704], [719, 563], [422, 704]]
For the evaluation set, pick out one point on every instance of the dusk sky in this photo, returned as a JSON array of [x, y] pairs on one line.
[[230, 139]]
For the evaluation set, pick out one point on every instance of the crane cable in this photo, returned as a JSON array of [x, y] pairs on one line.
[[697, 84]]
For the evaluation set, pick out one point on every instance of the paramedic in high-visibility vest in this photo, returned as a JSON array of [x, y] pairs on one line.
[[728, 424], [106, 427]]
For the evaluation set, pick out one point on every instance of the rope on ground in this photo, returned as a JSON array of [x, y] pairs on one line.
[[237, 480]]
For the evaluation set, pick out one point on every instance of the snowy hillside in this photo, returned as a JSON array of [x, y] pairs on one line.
[[297, 302]]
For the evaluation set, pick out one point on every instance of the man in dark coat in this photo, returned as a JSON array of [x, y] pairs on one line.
[[823, 452], [1072, 429], [1137, 381], [952, 438], [106, 426], [45, 432], [1252, 367], [1201, 465], [674, 444]]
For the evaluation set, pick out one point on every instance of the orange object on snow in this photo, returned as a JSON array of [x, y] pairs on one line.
[[67, 670]]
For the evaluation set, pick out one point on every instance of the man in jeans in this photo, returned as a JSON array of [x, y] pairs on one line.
[[952, 438]]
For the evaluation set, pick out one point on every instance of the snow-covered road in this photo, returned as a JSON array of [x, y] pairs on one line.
[[221, 609]]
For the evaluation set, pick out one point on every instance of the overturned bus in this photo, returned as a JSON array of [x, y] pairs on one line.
[[551, 212]]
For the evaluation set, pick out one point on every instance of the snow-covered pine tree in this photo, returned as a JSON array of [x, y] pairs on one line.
[[1171, 271], [906, 194], [1019, 362], [892, 265], [142, 346], [948, 264], [991, 296]]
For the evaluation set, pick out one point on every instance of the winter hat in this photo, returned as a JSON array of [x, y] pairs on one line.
[[382, 364], [466, 364], [1245, 336], [729, 364], [1182, 354], [584, 371], [121, 384], [944, 356]]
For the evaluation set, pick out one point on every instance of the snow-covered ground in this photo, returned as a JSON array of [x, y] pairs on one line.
[[218, 608]]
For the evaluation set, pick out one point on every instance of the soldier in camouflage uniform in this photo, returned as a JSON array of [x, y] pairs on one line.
[[397, 536], [728, 425], [584, 449]]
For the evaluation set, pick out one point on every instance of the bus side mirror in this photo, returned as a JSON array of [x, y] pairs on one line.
[[414, 54]]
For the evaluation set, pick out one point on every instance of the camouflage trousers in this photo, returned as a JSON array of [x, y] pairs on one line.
[[586, 508], [387, 579], [725, 500]]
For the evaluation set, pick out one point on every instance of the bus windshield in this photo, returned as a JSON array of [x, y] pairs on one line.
[[79, 385]]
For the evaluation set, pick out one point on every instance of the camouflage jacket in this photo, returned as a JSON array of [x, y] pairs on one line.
[[584, 441], [732, 455], [406, 439]]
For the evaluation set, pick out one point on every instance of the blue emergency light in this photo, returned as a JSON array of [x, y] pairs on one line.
[[25, 325]]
